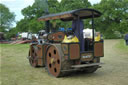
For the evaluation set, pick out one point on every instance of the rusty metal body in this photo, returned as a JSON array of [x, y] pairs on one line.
[[60, 58]]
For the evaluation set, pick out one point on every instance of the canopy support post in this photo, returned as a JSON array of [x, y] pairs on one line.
[[47, 24], [93, 31]]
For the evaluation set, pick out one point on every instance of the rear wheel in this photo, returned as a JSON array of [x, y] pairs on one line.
[[33, 57], [92, 69]]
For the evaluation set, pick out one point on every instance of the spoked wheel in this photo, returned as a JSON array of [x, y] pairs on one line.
[[33, 57], [53, 61]]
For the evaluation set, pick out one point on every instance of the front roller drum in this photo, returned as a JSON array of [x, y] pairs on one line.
[[92, 69], [55, 61]]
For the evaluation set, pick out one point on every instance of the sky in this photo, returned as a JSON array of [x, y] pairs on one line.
[[17, 5]]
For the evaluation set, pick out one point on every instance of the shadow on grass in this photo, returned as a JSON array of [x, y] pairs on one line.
[[76, 74]]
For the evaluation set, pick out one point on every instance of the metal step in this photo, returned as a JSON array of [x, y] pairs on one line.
[[85, 65]]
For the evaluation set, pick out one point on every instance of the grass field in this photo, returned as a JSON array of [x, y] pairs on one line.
[[15, 68], [122, 46]]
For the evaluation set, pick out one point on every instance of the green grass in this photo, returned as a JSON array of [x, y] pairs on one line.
[[122, 46], [13, 62], [16, 70]]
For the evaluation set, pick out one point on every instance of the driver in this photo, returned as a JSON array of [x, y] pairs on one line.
[[77, 27]]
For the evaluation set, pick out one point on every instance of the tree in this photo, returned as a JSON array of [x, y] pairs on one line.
[[74, 4], [114, 18], [38, 9], [11, 33], [32, 13], [6, 18], [22, 25]]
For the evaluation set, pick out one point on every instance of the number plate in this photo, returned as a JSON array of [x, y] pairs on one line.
[[87, 56]]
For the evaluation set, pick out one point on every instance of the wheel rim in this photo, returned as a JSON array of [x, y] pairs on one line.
[[53, 61], [33, 58]]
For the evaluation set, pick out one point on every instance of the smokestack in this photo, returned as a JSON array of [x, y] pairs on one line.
[[43, 4]]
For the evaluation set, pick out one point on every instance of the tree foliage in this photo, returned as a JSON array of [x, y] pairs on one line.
[[114, 17], [32, 13], [6, 18], [74, 4]]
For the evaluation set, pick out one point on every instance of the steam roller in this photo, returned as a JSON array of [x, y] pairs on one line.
[[62, 52]]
